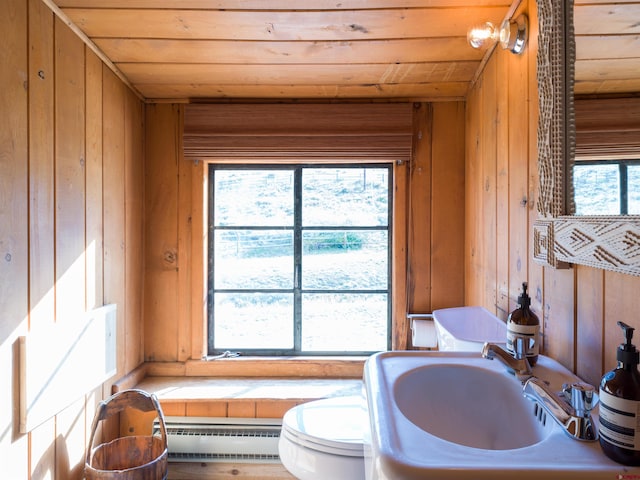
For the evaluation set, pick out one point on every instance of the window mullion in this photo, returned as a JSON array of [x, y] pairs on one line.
[[624, 189], [297, 259]]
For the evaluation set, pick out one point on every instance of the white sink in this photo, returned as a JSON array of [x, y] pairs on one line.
[[451, 415], [466, 395]]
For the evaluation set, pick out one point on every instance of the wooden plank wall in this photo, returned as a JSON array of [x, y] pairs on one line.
[[579, 306], [431, 211], [71, 166], [498, 196]]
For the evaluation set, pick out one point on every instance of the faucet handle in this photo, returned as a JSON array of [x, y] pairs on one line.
[[519, 347], [581, 396]]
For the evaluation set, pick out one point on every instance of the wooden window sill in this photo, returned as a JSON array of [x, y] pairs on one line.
[[244, 387], [256, 367]]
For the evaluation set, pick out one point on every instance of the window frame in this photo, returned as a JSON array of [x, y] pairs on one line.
[[297, 229]]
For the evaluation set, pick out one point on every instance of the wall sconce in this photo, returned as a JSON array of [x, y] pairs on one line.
[[512, 35]]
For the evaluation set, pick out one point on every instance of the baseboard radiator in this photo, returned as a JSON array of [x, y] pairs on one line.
[[208, 439]]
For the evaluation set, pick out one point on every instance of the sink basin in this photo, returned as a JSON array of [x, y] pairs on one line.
[[485, 403], [452, 415]]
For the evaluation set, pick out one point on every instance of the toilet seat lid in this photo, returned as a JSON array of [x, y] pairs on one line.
[[331, 425]]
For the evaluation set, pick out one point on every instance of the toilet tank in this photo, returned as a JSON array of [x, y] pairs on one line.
[[466, 329]]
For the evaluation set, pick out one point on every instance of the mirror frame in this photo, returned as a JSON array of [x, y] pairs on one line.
[[560, 238]]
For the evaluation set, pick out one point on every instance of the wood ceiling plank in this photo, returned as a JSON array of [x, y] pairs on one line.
[[607, 19], [414, 92], [140, 73], [280, 26], [274, 53], [277, 4], [589, 2], [593, 47], [609, 86], [609, 69]]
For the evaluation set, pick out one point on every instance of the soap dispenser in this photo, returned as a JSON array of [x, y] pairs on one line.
[[523, 323], [620, 405]]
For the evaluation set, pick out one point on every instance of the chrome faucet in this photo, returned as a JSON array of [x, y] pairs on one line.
[[516, 364], [571, 408]]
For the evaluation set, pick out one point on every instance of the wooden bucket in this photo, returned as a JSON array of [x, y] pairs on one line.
[[128, 458]]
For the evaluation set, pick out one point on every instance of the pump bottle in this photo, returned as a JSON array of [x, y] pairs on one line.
[[522, 322], [620, 405]]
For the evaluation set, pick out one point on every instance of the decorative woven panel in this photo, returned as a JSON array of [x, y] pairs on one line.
[[556, 123], [604, 242]]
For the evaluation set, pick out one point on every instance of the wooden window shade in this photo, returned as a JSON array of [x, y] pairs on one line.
[[298, 132], [607, 129]]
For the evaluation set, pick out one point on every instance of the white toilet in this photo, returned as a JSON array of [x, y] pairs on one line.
[[465, 329], [323, 439]]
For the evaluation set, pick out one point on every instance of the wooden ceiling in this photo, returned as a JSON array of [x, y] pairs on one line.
[[607, 46], [182, 50]]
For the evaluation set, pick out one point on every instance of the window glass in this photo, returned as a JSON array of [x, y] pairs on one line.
[[260, 258], [241, 198], [345, 259], [596, 189], [253, 320], [344, 322], [633, 177], [340, 196]]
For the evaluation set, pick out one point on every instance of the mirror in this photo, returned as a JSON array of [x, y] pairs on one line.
[[606, 169], [606, 172], [611, 242]]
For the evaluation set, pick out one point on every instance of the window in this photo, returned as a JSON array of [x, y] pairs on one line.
[[607, 187], [299, 259]]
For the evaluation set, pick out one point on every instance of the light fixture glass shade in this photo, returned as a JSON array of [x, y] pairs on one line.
[[482, 36]]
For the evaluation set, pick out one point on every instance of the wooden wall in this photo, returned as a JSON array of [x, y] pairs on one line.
[[79, 193], [71, 185], [429, 227], [579, 306], [500, 181]]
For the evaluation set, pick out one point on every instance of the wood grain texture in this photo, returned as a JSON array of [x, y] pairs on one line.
[[519, 200], [447, 208], [502, 155], [199, 239], [399, 263], [51, 164], [473, 260], [69, 173], [41, 166], [133, 229], [94, 239], [184, 51], [281, 25], [381, 49], [487, 216], [228, 471], [161, 233], [186, 210], [113, 208], [14, 230], [590, 323], [398, 37], [279, 4], [419, 214]]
